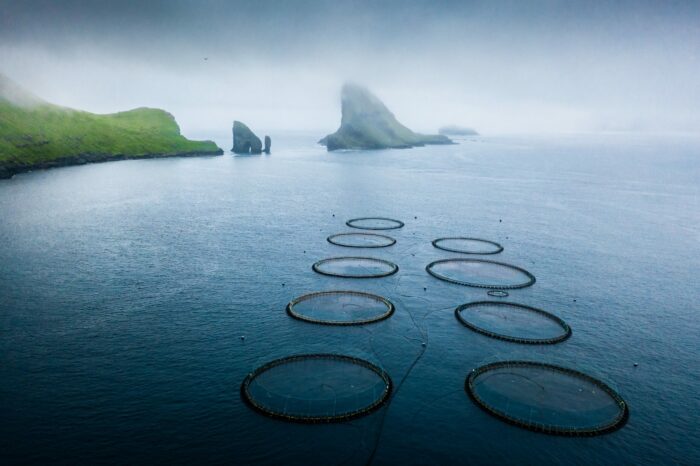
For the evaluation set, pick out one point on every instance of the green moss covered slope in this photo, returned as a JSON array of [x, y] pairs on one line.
[[36, 134]]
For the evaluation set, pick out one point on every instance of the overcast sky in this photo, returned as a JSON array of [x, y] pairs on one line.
[[511, 66]]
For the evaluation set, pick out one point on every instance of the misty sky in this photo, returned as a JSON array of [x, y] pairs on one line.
[[501, 67]]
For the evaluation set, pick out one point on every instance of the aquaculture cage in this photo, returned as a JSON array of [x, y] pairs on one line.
[[480, 273], [547, 398], [340, 308], [465, 245], [374, 223], [355, 267], [316, 388], [361, 240], [513, 322]]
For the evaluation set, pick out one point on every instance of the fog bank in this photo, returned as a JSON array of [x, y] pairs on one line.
[[500, 67]]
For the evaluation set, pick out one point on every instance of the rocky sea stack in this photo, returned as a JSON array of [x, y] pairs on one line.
[[368, 124], [244, 140]]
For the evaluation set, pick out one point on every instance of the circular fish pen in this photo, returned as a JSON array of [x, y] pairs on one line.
[[340, 308], [513, 322], [316, 388], [355, 267], [547, 398], [497, 293], [374, 223], [361, 240], [467, 245], [480, 273]]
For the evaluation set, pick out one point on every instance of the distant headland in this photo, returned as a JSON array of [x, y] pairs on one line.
[[367, 123], [36, 134], [454, 130]]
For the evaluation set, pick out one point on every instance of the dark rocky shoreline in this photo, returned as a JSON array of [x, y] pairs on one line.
[[9, 169]]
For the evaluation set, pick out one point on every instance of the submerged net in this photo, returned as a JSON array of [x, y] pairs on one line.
[[374, 223], [546, 398], [468, 245], [361, 240], [355, 267], [513, 322], [340, 308], [317, 388], [480, 273]]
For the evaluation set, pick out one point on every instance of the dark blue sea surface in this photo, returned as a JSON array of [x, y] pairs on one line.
[[125, 289]]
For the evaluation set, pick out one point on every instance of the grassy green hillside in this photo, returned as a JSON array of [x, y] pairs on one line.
[[37, 134]]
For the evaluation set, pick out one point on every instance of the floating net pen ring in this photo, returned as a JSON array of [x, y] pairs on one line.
[[354, 267], [307, 410], [381, 223], [529, 279], [371, 240], [563, 327], [497, 293], [609, 407], [386, 307], [495, 247]]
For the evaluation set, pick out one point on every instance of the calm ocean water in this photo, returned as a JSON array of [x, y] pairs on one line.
[[125, 288]]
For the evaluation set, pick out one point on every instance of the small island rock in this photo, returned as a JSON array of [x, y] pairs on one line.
[[454, 130], [244, 140], [268, 144], [367, 123]]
